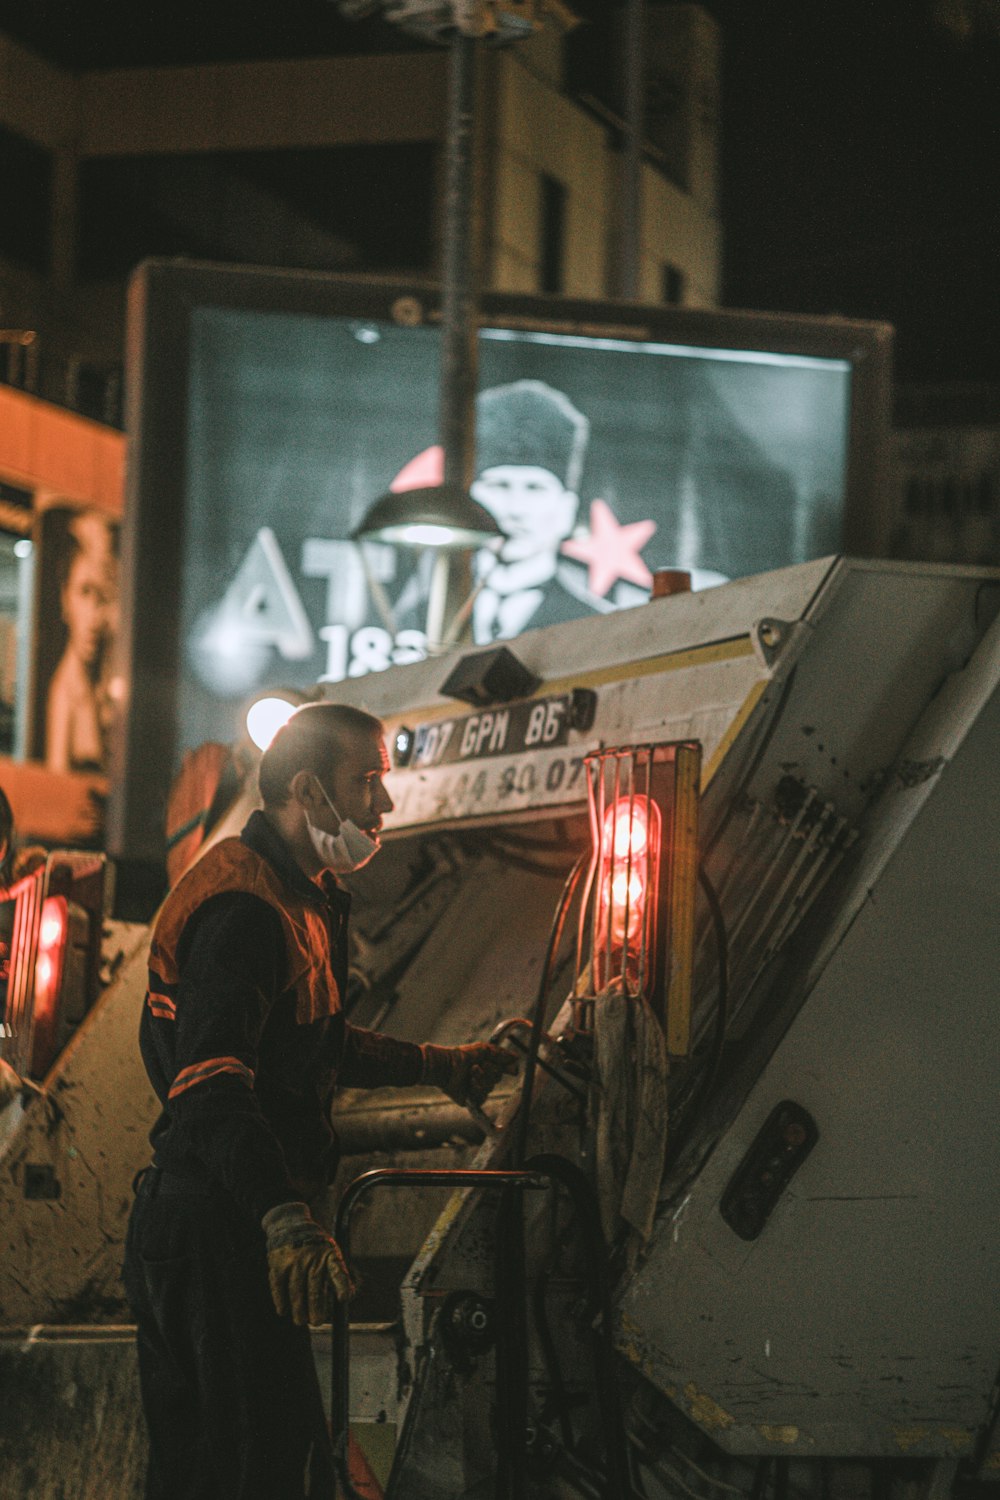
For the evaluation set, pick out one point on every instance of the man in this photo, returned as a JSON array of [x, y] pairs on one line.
[[243, 1036], [530, 447], [531, 442]]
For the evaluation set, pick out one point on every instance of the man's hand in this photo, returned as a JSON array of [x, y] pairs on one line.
[[466, 1074], [306, 1268]]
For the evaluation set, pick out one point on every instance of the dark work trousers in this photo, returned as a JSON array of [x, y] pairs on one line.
[[229, 1388]]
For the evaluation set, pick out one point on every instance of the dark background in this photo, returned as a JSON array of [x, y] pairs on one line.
[[861, 146]]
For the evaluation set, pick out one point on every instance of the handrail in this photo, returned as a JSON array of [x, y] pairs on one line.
[[540, 1171], [340, 1342], [507, 1031]]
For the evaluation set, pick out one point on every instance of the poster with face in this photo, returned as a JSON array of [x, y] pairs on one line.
[[77, 685], [601, 459]]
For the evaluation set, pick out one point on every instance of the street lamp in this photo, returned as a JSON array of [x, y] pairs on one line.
[[445, 517], [442, 515]]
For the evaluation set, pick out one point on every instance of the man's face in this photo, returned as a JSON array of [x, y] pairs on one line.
[[531, 506], [357, 791]]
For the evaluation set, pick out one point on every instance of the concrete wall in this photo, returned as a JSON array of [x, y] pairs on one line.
[[532, 130], [946, 493], [36, 99], [309, 102], [677, 229], [536, 130], [70, 1421], [528, 127]]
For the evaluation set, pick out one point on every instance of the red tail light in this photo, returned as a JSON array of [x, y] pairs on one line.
[[628, 862], [628, 822], [53, 928], [50, 954], [636, 929]]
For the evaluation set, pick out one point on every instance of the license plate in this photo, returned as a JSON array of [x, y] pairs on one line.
[[505, 729]]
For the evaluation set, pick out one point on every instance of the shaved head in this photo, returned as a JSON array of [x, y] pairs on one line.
[[314, 739]]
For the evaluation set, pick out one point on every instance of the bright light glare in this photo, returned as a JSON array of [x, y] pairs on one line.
[[631, 834], [43, 971], [630, 887], [226, 638], [627, 894], [424, 534], [50, 930], [266, 717], [22, 548]]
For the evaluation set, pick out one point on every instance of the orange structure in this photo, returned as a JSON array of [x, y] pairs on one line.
[[52, 457]]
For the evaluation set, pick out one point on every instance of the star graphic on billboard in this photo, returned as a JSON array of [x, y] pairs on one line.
[[421, 472], [611, 551]]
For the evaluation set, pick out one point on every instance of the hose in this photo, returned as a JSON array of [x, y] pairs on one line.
[[512, 1355], [584, 1200], [538, 1015], [510, 1276]]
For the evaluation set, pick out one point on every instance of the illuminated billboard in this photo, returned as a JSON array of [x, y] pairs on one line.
[[269, 410], [77, 683]]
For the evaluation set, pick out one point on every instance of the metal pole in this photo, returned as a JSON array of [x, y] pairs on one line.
[[458, 309], [632, 155], [441, 593], [452, 574]]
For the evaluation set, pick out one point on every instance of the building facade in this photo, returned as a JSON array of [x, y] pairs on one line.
[[329, 163], [946, 474], [336, 163]]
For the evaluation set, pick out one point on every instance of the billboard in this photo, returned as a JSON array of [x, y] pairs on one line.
[[269, 410], [76, 679]]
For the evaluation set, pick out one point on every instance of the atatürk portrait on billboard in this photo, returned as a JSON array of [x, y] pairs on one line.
[[531, 443], [601, 459]]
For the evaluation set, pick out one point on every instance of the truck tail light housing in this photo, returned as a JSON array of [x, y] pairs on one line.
[[50, 951], [50, 955], [636, 929], [627, 876]]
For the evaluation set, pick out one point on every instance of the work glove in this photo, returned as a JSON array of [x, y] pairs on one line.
[[466, 1074], [305, 1266]]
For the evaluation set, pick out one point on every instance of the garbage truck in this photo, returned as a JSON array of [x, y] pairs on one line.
[[720, 871]]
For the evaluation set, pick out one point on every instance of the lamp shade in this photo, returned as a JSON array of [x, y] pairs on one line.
[[439, 515]]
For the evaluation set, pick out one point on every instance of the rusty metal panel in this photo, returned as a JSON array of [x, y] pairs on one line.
[[68, 1161], [70, 1420]]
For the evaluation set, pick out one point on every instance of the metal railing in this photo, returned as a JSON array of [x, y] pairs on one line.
[[540, 1173]]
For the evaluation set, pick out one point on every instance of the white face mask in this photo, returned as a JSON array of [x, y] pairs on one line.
[[347, 849]]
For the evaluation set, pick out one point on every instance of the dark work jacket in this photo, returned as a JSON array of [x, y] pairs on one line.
[[243, 1033]]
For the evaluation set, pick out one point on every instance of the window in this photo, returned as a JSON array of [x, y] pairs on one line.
[[26, 196], [322, 209], [672, 284], [553, 235]]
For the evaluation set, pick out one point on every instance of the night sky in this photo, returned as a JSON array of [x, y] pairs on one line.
[[861, 143], [861, 154], [868, 179]]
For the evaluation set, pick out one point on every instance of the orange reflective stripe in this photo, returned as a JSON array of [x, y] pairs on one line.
[[232, 865], [210, 1068], [160, 997]]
